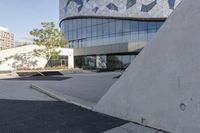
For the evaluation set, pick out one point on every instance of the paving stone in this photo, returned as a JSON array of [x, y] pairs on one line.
[[118, 130], [138, 128]]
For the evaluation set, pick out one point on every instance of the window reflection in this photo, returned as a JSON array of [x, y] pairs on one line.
[[97, 31]]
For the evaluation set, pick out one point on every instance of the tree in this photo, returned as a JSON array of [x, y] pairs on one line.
[[50, 39]]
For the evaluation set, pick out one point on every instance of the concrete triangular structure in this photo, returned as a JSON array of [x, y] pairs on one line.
[[161, 88]]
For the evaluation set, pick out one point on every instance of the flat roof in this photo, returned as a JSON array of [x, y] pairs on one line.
[[3, 29]]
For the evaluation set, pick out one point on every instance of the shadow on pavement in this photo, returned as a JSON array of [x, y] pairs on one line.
[[45, 78], [51, 117]]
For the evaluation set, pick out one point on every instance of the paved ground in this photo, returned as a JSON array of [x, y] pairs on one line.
[[15, 90], [51, 117], [24, 110], [81, 86], [90, 87], [133, 128]]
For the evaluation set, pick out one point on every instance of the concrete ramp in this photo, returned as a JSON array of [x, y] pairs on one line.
[[161, 88]]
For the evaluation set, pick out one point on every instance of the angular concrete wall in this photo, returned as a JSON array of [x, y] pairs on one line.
[[20, 58], [161, 88], [23, 57]]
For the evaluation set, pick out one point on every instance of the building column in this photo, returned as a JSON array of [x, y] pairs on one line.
[[101, 61], [70, 61]]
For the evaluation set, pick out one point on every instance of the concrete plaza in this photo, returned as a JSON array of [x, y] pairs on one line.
[[28, 110]]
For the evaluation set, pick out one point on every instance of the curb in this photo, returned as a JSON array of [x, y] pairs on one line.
[[67, 99]]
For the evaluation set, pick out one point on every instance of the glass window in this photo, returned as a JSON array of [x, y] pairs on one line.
[[79, 33], [134, 36], [114, 61], [94, 30], [112, 27], [100, 30], [94, 22], [78, 24], [89, 22], [126, 26], [84, 33], [126, 59], [83, 23], [152, 25], [105, 29], [143, 35], [74, 35], [89, 30], [70, 24], [133, 57], [105, 20], [143, 26], [134, 26], [74, 24], [64, 26], [99, 21], [126, 36], [151, 34], [159, 24], [119, 26], [70, 35]]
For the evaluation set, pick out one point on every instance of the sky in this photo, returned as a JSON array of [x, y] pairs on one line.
[[21, 16]]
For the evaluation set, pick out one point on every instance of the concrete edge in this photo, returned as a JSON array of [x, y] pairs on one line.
[[67, 99]]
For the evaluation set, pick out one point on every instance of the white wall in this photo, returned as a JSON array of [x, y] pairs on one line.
[[70, 53], [22, 57]]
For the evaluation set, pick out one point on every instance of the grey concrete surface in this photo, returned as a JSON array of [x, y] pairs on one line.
[[25, 110], [133, 128], [63, 97], [161, 87], [118, 130], [89, 87], [26, 116], [14, 90]]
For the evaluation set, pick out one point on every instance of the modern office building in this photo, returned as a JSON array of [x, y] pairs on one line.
[[7, 39], [110, 33]]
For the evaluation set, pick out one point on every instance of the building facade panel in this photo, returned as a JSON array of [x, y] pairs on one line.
[[117, 8]]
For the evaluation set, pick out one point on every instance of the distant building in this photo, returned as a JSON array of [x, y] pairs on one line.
[[7, 39]]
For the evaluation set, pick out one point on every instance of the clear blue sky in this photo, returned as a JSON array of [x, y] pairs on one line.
[[21, 16]]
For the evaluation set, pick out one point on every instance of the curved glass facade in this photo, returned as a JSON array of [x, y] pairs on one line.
[[87, 32]]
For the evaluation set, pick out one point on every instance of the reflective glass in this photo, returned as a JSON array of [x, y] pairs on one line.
[[126, 26], [97, 31]]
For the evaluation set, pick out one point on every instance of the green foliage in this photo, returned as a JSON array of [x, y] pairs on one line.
[[50, 38]]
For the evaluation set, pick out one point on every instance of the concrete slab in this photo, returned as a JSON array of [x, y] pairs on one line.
[[118, 130], [63, 97], [161, 87], [14, 90], [133, 128], [89, 86], [138, 128]]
